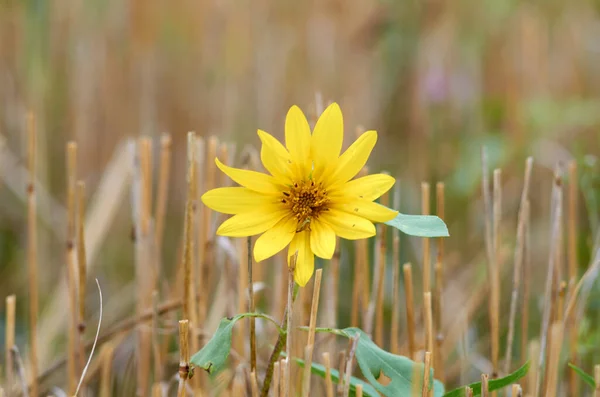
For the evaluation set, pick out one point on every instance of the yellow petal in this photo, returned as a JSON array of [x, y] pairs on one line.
[[368, 187], [252, 223], [275, 239], [322, 239], [234, 200], [275, 157], [305, 263], [297, 141], [353, 159], [348, 226], [327, 137], [367, 209], [253, 180]]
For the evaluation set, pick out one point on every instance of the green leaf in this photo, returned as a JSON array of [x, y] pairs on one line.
[[213, 356], [494, 384], [374, 361], [420, 225], [318, 369], [587, 378]]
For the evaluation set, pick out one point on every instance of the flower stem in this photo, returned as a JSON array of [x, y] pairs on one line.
[[251, 309], [282, 339]]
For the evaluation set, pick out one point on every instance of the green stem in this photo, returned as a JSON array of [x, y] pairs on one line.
[[334, 331], [266, 317], [251, 308], [281, 341]]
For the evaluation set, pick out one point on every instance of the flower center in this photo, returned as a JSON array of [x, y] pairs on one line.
[[306, 200]]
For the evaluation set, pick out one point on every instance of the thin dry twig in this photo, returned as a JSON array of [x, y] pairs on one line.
[[556, 339], [205, 248], [495, 273], [463, 346], [573, 265], [487, 206], [9, 340], [533, 351], [184, 357], [253, 384], [189, 231], [484, 385], [144, 275], [288, 346], [331, 293], [589, 275], [106, 371], [438, 360], [362, 277], [283, 385], [526, 285], [82, 268], [380, 287], [162, 189], [157, 389], [72, 324], [328, 382], [426, 371], [425, 199], [516, 391], [410, 309], [428, 316], [518, 263], [341, 368], [395, 328], [311, 333], [156, 348], [373, 323], [32, 260], [440, 193], [359, 390], [358, 281], [418, 372], [95, 341], [276, 378], [81, 257], [546, 316], [348, 370], [283, 339], [562, 292], [145, 147], [240, 332]]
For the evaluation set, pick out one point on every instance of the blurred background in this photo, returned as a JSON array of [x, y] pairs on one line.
[[436, 79]]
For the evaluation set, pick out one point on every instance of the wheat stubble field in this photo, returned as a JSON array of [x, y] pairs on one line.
[[112, 114]]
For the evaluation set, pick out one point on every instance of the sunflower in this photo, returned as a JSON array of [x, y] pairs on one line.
[[309, 195]]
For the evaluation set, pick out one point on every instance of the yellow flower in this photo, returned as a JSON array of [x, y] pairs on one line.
[[309, 196]]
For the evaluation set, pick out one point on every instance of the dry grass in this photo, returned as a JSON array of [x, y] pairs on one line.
[[91, 89], [407, 340]]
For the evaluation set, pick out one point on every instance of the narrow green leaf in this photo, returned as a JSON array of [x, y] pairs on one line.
[[374, 361], [587, 378], [420, 225], [318, 369], [494, 384]]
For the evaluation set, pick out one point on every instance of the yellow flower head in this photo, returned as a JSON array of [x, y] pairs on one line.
[[309, 196]]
